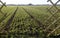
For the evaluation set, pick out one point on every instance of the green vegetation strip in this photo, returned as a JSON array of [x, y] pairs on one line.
[[7, 14], [3, 24], [39, 23], [10, 20]]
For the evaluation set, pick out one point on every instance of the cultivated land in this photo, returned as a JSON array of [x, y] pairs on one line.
[[25, 20]]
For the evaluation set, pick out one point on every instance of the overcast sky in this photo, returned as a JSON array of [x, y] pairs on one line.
[[27, 1]]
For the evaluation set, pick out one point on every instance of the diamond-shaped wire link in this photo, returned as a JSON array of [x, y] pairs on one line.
[[49, 9], [53, 11], [3, 4]]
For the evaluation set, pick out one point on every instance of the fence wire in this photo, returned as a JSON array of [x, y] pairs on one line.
[[53, 20], [3, 4], [50, 21]]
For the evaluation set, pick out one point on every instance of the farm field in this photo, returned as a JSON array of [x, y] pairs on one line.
[[26, 20]]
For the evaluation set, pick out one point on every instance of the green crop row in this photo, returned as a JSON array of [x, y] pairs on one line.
[[24, 21], [2, 24]]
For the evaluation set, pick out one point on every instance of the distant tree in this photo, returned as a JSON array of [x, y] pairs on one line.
[[30, 4]]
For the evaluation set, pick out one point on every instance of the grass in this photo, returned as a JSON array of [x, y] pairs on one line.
[[23, 23]]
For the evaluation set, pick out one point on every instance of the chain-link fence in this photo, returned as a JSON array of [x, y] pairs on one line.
[[52, 20], [3, 4]]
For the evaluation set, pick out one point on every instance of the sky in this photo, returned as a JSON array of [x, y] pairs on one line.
[[27, 1]]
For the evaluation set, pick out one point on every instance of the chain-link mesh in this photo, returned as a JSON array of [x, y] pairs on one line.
[[53, 19], [50, 21], [3, 4]]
